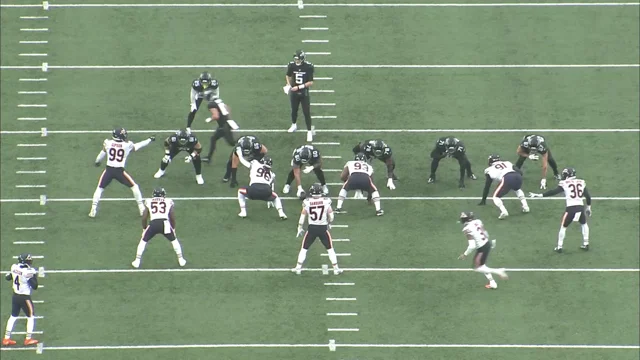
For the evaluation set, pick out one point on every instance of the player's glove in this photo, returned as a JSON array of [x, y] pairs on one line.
[[300, 231], [307, 169], [97, 164], [187, 159], [534, 195], [193, 107], [390, 184], [588, 211], [188, 130], [534, 157], [270, 204], [166, 159], [300, 191], [286, 89], [543, 184], [493, 243], [208, 120]]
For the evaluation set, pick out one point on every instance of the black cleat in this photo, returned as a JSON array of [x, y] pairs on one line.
[[558, 249], [431, 180], [233, 183], [339, 211], [473, 177], [585, 247], [380, 212], [206, 160], [225, 179]]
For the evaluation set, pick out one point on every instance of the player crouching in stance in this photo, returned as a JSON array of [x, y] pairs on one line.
[[261, 185], [118, 149], [378, 149], [174, 144], [247, 149], [357, 176], [24, 279], [309, 156], [318, 207], [574, 191], [478, 239], [510, 179], [159, 210]]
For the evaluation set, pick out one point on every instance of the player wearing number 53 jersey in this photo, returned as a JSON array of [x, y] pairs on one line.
[[161, 221], [510, 178], [261, 187], [320, 214], [574, 191], [357, 176], [24, 279], [117, 150]]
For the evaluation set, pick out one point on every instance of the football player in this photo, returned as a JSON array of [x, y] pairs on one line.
[[357, 176], [309, 156], [299, 79], [174, 144], [161, 219], [24, 279], [574, 191], [478, 239], [221, 113], [117, 149], [534, 147], [454, 148], [378, 149], [261, 187], [248, 148], [510, 179], [204, 87], [318, 207]]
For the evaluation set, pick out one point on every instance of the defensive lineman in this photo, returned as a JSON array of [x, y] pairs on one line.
[[299, 79], [117, 149], [574, 191], [261, 187], [321, 215], [510, 179], [357, 176], [478, 239], [25, 280], [247, 149], [159, 210], [205, 87]]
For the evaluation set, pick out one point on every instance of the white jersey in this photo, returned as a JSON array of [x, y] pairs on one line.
[[159, 208], [319, 210], [355, 166], [117, 152], [260, 174], [20, 274], [476, 234], [573, 191], [499, 169]]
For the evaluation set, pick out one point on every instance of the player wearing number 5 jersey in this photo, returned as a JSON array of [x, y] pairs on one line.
[[161, 220], [24, 279], [510, 179], [318, 207], [117, 150], [574, 191], [261, 187], [357, 176]]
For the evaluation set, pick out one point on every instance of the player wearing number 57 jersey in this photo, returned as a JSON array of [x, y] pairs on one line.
[[575, 190], [318, 207], [357, 176], [510, 178], [24, 279], [117, 150], [161, 221], [261, 187]]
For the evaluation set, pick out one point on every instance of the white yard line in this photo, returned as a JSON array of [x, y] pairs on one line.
[[31, 172], [31, 186], [340, 240], [32, 79], [34, 17], [339, 284], [324, 117], [32, 118], [28, 242], [33, 256], [33, 29], [322, 91], [30, 214], [34, 42], [314, 28], [33, 54], [312, 17], [337, 254], [32, 105], [30, 228], [315, 41], [343, 329], [322, 53], [340, 299], [325, 143], [31, 158], [32, 92], [32, 145], [323, 104], [342, 314]]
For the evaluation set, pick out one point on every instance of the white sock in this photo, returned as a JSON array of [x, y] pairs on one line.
[[522, 197], [585, 234], [341, 196], [302, 255], [561, 234], [10, 323], [177, 248], [332, 257], [499, 204], [141, 245], [135, 189], [376, 200], [31, 324], [96, 197], [278, 203], [486, 270], [242, 200], [489, 276]]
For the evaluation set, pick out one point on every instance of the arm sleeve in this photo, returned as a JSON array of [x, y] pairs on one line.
[[33, 282], [552, 192], [101, 156], [487, 185], [193, 96], [470, 248], [312, 69], [139, 145], [587, 196], [391, 165]]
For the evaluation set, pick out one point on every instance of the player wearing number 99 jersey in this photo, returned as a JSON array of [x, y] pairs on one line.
[[318, 207], [117, 151], [261, 187], [161, 219], [357, 176], [574, 191]]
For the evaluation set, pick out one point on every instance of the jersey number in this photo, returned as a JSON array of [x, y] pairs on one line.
[[17, 282], [500, 166], [116, 154], [576, 190], [361, 166], [316, 213], [482, 231], [299, 78], [264, 172], [158, 207]]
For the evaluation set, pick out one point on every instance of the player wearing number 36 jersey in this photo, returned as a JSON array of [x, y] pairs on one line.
[[574, 191], [161, 221], [117, 151]]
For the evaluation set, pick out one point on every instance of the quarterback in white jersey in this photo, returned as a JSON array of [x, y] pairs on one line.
[[117, 149], [356, 175], [478, 239], [318, 207], [160, 215], [575, 191], [261, 185], [510, 178], [24, 279]]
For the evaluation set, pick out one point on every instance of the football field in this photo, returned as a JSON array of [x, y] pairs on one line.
[[407, 73]]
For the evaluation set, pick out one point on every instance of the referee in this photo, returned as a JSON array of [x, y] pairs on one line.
[[299, 79]]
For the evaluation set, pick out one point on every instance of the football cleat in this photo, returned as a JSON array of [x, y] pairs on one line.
[[558, 249], [225, 179], [503, 274], [199, 179], [8, 342], [296, 270], [233, 183], [491, 285], [473, 177], [28, 342], [337, 271], [135, 263], [339, 211], [503, 215], [431, 180], [525, 209], [585, 247], [158, 174], [286, 189], [283, 216], [309, 136], [243, 213], [293, 128], [93, 213], [325, 190], [379, 212], [182, 261]]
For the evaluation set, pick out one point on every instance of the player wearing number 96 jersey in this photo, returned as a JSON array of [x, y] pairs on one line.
[[261, 187], [510, 178], [357, 175], [158, 218], [318, 207], [117, 150], [574, 191]]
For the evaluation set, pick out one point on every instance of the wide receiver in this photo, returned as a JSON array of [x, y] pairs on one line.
[[574, 191], [173, 145], [510, 179], [117, 149], [478, 239], [318, 207], [357, 176], [309, 156], [535, 147], [261, 187], [378, 149], [248, 148]]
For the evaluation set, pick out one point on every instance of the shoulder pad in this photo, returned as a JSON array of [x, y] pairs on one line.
[[486, 171]]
